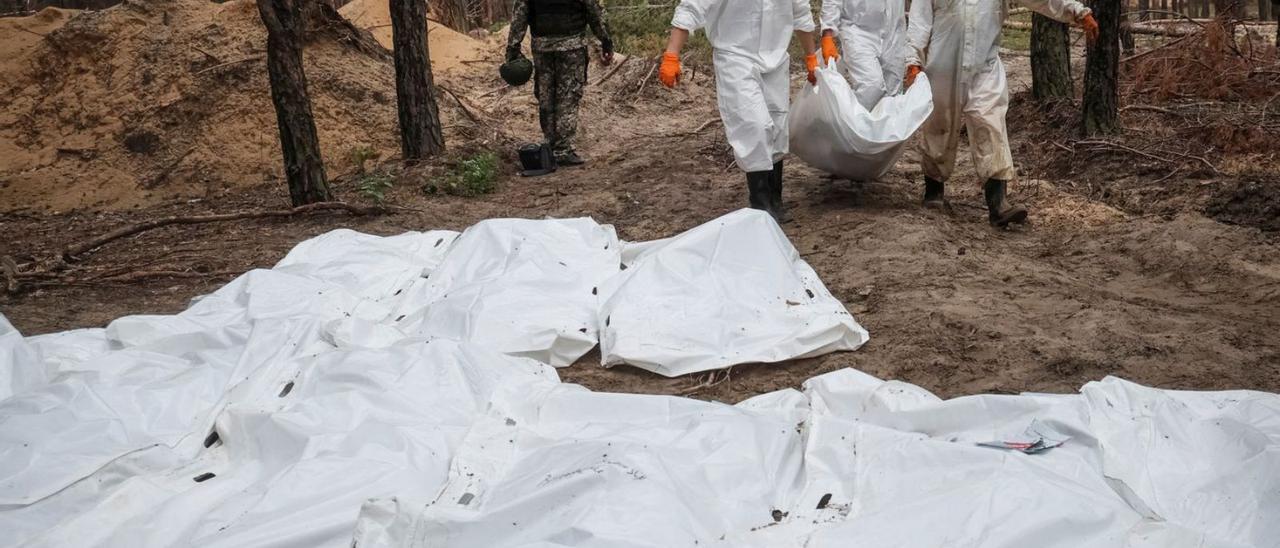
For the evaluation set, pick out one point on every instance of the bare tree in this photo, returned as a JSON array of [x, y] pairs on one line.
[[420, 134], [303, 166], [1101, 109], [1050, 59], [1275, 13]]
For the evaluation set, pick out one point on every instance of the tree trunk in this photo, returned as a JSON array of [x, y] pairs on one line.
[[420, 135], [303, 166], [1050, 59], [1126, 35], [1101, 109], [1143, 6]]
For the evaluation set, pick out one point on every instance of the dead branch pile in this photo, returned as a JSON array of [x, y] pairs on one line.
[[1205, 65]]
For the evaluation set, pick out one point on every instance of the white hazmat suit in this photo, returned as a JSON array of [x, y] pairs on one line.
[[958, 44], [873, 34], [753, 88]]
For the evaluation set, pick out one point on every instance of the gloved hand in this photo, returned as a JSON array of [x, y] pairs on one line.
[[912, 72], [1090, 26], [669, 72], [606, 52], [811, 61], [829, 51]]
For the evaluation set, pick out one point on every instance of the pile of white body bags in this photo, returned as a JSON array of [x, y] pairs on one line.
[[400, 391]]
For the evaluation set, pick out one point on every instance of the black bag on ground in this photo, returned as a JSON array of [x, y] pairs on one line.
[[536, 159]]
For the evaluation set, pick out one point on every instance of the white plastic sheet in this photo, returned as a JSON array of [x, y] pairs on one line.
[[853, 461], [733, 290], [290, 408], [522, 287], [832, 131]]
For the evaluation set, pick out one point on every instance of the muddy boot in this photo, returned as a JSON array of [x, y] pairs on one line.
[[934, 194], [775, 193], [760, 192], [569, 158], [1001, 213]]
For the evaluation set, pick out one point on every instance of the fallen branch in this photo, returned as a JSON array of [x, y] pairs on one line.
[[211, 56], [493, 91], [710, 382], [144, 274], [1117, 146], [645, 81], [699, 129], [465, 109], [250, 58], [72, 251], [1155, 49], [10, 273], [614, 70], [1147, 107]]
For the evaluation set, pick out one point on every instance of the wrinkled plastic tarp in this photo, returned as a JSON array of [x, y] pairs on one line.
[[853, 461], [730, 291], [295, 407], [832, 131]]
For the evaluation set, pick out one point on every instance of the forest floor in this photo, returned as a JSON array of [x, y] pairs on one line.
[[1158, 273]]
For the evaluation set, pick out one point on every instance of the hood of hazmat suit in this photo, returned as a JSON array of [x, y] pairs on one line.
[[873, 35], [753, 89], [958, 44]]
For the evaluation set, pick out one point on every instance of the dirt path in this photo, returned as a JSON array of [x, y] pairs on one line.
[[952, 305]]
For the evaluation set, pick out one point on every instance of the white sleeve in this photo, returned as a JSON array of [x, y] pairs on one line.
[[919, 29], [1066, 11], [831, 14], [803, 16], [691, 15]]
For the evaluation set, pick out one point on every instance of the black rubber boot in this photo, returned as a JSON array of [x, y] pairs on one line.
[[759, 187], [934, 194], [569, 158], [1000, 212], [775, 193]]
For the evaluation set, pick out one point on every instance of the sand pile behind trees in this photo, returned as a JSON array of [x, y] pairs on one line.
[[163, 100], [450, 49]]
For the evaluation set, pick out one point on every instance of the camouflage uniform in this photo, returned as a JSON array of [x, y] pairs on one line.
[[560, 70]]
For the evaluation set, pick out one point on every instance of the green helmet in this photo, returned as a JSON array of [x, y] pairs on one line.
[[517, 71]]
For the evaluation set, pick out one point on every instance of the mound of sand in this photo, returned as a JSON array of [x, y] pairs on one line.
[[154, 101], [449, 48]]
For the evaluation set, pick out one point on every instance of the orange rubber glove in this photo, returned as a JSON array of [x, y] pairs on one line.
[[912, 72], [829, 51], [1090, 26], [811, 61], [669, 72]]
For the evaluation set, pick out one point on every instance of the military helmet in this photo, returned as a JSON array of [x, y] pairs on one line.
[[517, 71]]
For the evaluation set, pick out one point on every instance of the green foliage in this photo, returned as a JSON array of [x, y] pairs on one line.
[[641, 27], [374, 186], [1016, 39], [474, 176], [361, 155]]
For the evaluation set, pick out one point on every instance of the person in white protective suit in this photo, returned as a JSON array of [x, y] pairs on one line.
[[956, 42], [750, 39], [873, 34]]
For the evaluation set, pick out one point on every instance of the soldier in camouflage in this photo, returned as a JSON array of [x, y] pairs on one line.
[[560, 62]]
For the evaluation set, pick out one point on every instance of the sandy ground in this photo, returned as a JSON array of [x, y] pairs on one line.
[[152, 101], [1093, 287]]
